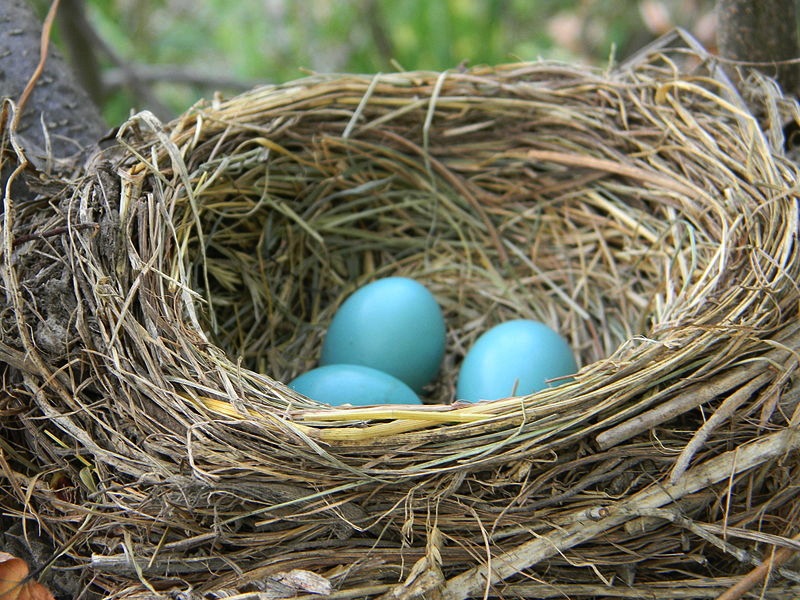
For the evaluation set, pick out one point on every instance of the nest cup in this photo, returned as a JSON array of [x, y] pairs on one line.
[[159, 303]]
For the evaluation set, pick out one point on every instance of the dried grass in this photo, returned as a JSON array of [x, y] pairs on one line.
[[156, 303]]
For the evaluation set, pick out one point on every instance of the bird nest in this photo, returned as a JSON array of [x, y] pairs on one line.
[[157, 302]]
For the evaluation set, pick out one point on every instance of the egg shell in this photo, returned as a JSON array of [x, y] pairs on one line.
[[394, 325], [514, 358], [353, 384]]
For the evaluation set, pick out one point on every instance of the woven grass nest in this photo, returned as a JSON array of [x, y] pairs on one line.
[[157, 302]]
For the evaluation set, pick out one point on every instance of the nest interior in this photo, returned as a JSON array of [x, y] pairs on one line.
[[156, 305]]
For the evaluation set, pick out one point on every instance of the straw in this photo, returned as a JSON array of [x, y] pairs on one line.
[[158, 302]]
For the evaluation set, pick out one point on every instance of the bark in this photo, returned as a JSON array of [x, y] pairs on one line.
[[74, 125], [763, 33], [69, 116]]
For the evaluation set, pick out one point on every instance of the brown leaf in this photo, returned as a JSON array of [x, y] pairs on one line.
[[13, 584], [34, 591], [13, 572]]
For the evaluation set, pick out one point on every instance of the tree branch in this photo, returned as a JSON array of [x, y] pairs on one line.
[[118, 77], [88, 39], [761, 33], [58, 108], [74, 26]]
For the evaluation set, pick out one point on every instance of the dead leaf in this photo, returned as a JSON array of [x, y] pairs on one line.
[[33, 590], [13, 584], [13, 572]]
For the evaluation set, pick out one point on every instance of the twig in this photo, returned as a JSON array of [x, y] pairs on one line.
[[693, 396], [681, 590], [21, 239], [588, 524], [760, 573], [696, 395], [722, 413], [674, 517]]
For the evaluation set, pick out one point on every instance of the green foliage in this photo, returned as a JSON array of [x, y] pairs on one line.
[[278, 40]]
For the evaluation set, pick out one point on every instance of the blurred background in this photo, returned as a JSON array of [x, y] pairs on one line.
[[164, 55]]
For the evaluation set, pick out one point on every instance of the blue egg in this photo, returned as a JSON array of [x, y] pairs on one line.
[[353, 384], [514, 358], [394, 325]]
